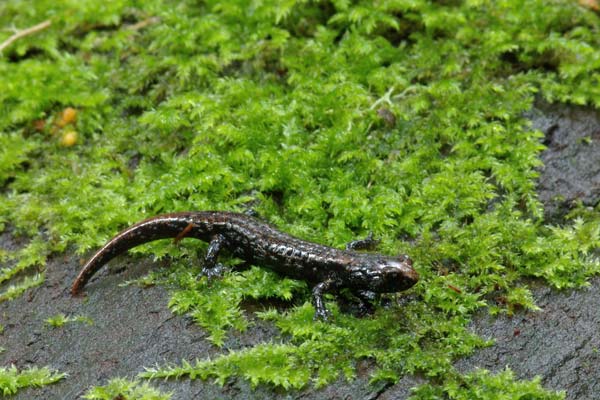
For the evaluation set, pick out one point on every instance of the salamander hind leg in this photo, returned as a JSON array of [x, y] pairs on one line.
[[321, 312], [211, 268], [368, 243]]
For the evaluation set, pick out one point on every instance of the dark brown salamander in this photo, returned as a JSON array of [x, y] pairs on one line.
[[327, 268]]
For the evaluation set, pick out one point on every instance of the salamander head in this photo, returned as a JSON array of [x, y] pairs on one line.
[[385, 274]]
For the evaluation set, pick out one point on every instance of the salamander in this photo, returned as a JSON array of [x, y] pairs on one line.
[[326, 268]]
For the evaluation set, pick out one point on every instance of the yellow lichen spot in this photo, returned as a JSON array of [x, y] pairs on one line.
[[68, 138], [67, 116]]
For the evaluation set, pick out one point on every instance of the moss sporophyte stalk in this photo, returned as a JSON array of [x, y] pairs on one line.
[[333, 119]]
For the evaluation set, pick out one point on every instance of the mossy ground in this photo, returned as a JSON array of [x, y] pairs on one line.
[[13, 380], [332, 120]]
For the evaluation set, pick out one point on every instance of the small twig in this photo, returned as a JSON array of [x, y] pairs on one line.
[[23, 33], [409, 89], [143, 24], [384, 98]]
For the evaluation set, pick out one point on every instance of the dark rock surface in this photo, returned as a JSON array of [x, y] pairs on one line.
[[571, 171], [134, 328], [561, 342]]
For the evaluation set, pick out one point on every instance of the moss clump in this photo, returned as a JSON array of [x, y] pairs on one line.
[[333, 118], [215, 305], [59, 320], [126, 390], [12, 380], [480, 384], [15, 290]]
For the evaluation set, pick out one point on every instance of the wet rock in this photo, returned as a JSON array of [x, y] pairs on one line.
[[560, 343], [133, 327], [571, 171]]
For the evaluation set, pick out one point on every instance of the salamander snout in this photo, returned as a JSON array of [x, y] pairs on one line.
[[398, 274]]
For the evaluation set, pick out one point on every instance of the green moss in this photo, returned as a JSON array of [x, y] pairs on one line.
[[15, 290], [126, 390], [480, 384], [12, 380], [399, 341], [215, 305], [60, 320], [332, 119]]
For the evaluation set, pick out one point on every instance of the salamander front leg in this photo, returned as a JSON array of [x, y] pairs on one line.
[[211, 268], [366, 299], [318, 291]]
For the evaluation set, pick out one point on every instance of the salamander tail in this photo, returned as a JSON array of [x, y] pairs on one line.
[[160, 227]]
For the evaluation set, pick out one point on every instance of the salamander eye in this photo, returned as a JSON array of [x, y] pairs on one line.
[[405, 259]]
